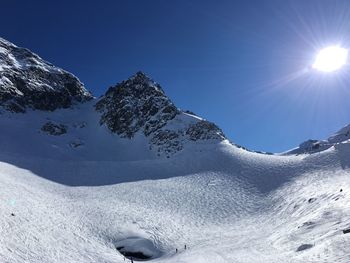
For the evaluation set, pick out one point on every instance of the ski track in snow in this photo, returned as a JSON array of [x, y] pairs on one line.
[[225, 204]]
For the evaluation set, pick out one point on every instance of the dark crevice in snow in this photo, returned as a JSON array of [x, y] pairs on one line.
[[137, 248], [304, 247], [134, 255]]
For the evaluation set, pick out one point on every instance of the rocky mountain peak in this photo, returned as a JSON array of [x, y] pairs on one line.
[[141, 77], [27, 81], [139, 85], [139, 105], [136, 104]]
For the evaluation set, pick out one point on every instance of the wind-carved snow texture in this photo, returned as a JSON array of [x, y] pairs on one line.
[[27, 81], [73, 190]]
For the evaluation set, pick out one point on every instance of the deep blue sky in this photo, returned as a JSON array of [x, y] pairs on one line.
[[241, 64]]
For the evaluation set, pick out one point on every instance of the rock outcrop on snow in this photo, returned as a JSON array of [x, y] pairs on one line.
[[170, 141], [204, 130], [54, 128], [27, 81]]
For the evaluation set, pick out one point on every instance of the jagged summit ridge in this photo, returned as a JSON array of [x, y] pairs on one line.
[[137, 104], [27, 81]]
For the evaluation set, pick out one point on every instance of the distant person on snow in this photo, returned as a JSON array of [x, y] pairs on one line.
[[176, 250], [185, 247]]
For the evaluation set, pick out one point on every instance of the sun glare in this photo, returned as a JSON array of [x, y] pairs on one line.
[[331, 59]]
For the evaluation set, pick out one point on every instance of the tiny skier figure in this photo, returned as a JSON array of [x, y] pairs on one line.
[[185, 247], [175, 250]]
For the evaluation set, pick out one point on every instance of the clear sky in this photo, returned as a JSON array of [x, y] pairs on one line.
[[244, 65]]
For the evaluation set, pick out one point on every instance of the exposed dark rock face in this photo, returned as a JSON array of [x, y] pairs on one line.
[[54, 129], [166, 141], [205, 130], [27, 81], [137, 104], [171, 141]]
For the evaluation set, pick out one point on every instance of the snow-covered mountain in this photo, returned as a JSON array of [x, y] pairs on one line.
[[27, 81], [139, 105], [314, 146], [129, 174]]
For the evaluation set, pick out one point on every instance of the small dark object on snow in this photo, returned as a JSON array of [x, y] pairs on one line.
[[304, 247], [311, 200], [341, 190], [12, 214], [185, 247], [54, 128], [346, 231], [176, 250]]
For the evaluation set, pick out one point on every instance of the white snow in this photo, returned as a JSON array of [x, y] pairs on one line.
[[224, 203], [3, 50]]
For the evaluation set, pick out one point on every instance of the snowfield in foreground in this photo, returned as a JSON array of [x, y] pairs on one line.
[[64, 202]]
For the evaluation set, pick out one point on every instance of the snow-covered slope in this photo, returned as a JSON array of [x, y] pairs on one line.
[[225, 204], [92, 181]]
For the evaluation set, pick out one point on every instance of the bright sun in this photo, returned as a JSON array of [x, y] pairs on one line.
[[331, 59]]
